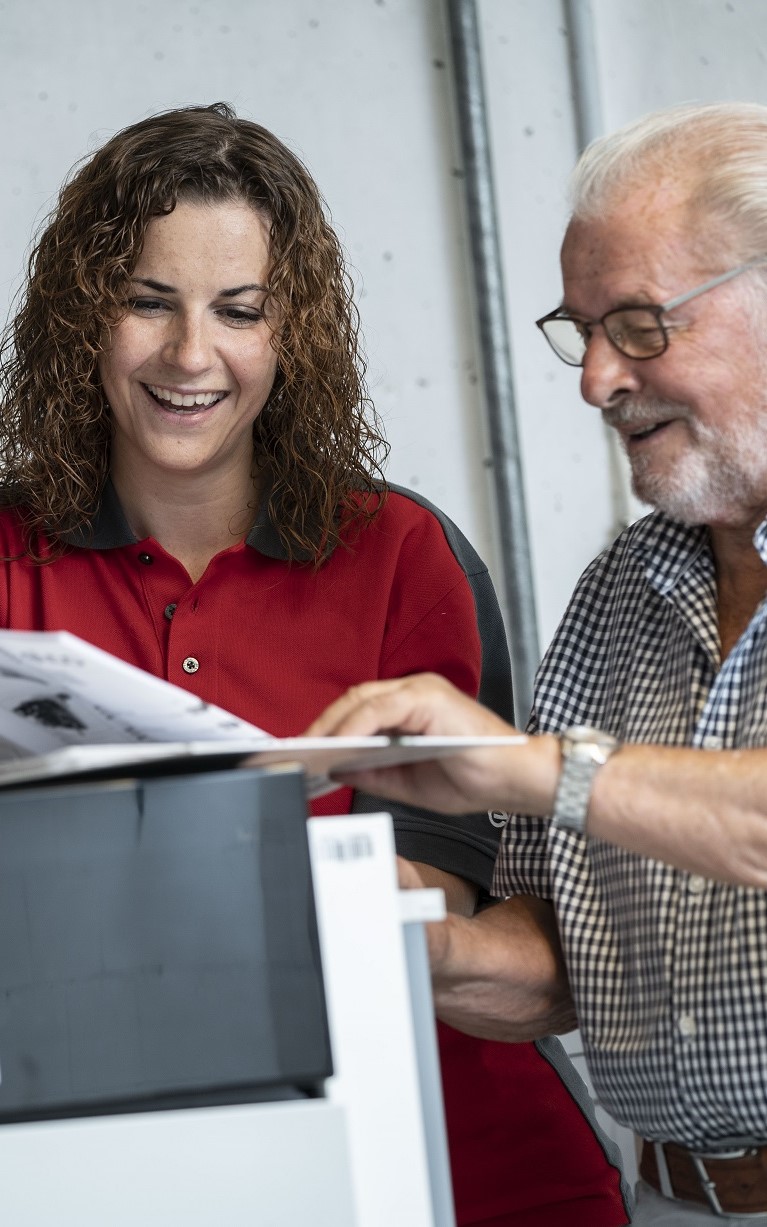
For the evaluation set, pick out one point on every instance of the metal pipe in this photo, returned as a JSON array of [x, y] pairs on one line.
[[505, 456], [584, 71], [589, 124]]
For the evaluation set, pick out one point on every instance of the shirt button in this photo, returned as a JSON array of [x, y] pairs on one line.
[[696, 884], [711, 742], [169, 611], [147, 559], [191, 664], [687, 1025]]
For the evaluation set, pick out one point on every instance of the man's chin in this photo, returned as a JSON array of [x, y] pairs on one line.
[[674, 498], [692, 506]]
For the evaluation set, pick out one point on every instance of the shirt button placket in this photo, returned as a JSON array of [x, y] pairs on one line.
[[187, 664], [686, 916]]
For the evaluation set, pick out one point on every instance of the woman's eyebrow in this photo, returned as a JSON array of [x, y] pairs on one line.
[[242, 289], [154, 285], [160, 288]]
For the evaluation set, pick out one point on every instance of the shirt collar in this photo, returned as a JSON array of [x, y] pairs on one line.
[[109, 529], [671, 549], [760, 541]]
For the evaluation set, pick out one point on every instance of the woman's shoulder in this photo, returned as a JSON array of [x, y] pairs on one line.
[[11, 521], [412, 520]]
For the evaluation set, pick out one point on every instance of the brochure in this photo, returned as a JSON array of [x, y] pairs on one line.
[[69, 709]]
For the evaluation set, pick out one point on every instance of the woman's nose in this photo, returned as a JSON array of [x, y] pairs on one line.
[[188, 344], [607, 372]]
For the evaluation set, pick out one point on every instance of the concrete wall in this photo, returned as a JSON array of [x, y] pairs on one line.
[[360, 89], [648, 55]]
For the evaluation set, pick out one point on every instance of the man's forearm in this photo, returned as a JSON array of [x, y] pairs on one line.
[[700, 810], [460, 895], [501, 974]]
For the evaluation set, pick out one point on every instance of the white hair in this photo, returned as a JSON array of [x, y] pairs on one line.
[[717, 151]]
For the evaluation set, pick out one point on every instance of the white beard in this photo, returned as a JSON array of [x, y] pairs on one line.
[[720, 478]]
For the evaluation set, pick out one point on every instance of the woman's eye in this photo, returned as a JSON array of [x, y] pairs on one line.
[[237, 317], [241, 317], [148, 306]]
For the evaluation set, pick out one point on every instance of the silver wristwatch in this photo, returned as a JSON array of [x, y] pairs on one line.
[[584, 751]]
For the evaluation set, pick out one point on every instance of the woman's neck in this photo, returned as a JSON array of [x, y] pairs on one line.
[[193, 519]]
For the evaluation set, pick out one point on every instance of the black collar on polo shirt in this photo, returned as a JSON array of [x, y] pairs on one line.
[[109, 529]]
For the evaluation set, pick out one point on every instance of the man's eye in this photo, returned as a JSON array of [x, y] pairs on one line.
[[582, 328], [639, 333]]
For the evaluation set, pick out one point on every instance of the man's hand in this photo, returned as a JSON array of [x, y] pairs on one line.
[[501, 777]]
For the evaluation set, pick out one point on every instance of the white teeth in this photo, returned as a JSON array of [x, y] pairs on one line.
[[185, 400]]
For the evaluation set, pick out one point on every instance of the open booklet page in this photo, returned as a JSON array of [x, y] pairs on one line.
[[68, 708], [57, 690]]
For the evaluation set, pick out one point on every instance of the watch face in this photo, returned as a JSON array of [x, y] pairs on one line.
[[585, 733], [584, 751]]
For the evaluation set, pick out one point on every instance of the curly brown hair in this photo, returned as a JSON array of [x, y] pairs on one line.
[[318, 433]]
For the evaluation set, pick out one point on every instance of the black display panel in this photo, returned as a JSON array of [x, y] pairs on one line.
[[158, 945]]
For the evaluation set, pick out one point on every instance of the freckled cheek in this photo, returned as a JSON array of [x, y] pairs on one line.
[[258, 365], [128, 349], [109, 373]]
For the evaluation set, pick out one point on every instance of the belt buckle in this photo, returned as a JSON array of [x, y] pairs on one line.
[[708, 1186]]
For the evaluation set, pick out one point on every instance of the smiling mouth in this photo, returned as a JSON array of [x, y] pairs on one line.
[[183, 402], [638, 435]]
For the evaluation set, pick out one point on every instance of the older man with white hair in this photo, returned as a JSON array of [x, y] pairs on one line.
[[633, 867]]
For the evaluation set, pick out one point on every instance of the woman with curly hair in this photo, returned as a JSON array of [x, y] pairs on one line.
[[192, 482]]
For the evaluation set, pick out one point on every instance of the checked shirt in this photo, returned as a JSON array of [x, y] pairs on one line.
[[668, 969]]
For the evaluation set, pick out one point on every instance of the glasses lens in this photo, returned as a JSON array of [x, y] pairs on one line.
[[636, 332], [567, 338]]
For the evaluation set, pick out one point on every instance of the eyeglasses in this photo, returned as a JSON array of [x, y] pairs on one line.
[[636, 332]]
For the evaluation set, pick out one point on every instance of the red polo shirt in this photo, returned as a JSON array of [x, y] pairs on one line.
[[275, 642]]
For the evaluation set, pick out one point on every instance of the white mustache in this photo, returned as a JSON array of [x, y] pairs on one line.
[[634, 411]]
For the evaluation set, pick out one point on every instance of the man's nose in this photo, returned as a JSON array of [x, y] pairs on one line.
[[607, 373]]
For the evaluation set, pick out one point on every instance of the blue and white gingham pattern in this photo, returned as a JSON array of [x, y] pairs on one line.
[[669, 970]]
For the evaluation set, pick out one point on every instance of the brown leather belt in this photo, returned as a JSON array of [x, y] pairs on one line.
[[731, 1183]]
